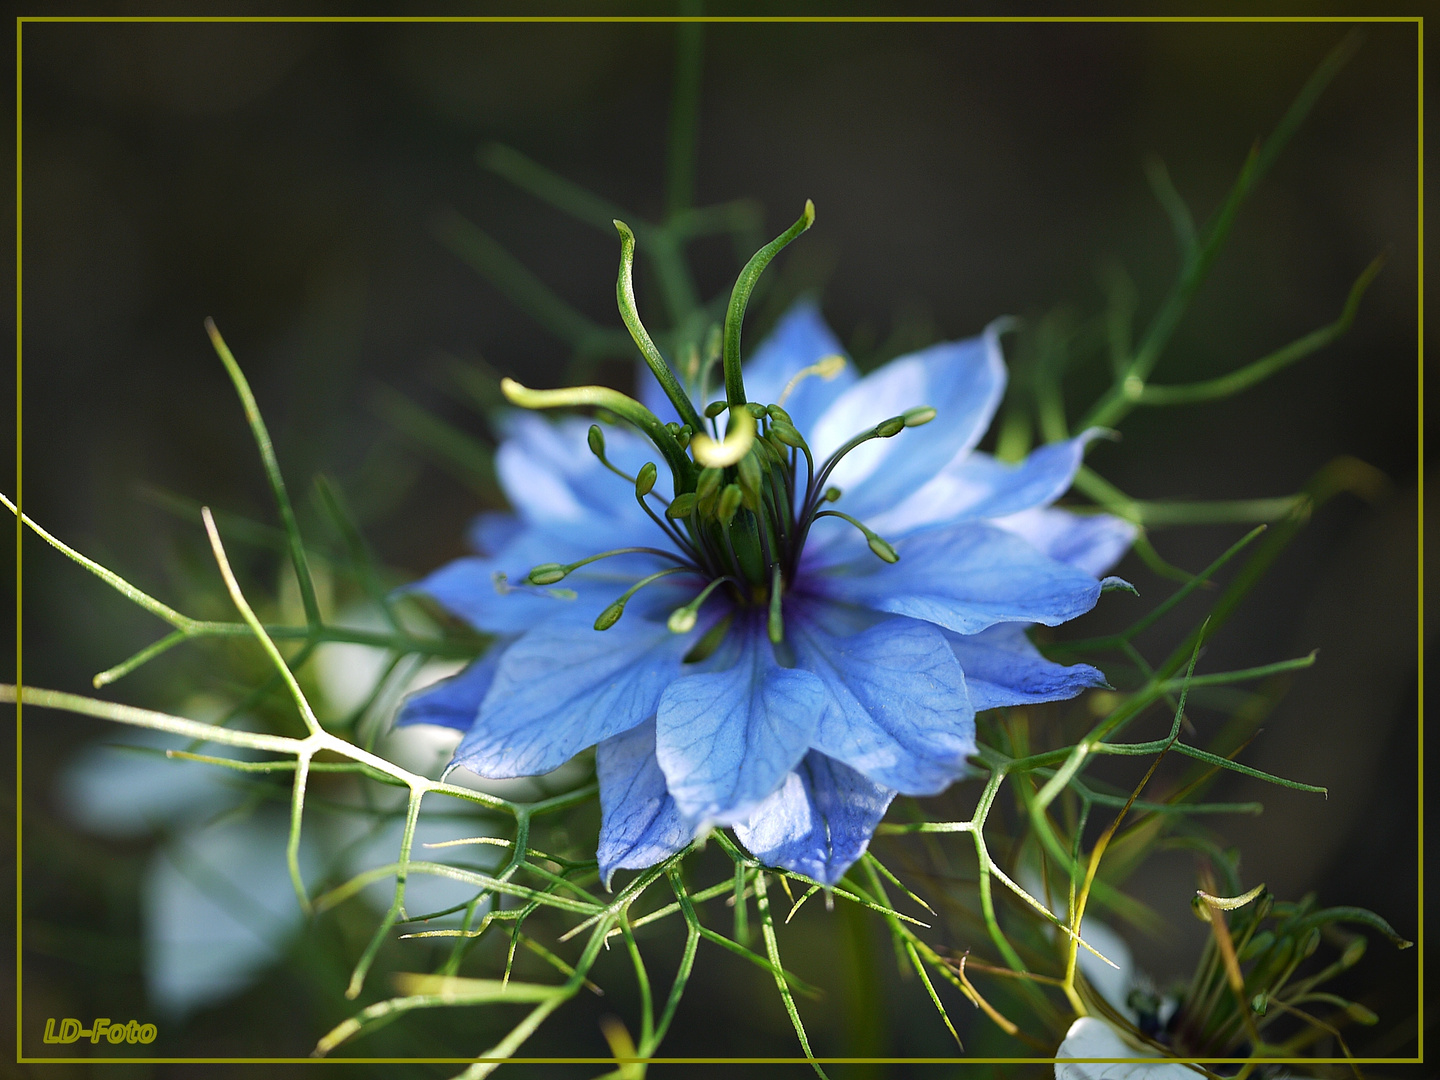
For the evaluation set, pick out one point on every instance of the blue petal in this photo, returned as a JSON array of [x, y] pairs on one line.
[[1002, 667], [819, 822], [726, 739], [963, 577], [639, 825], [962, 380], [1090, 542], [799, 339], [565, 686], [550, 475], [453, 702], [898, 710], [975, 486], [491, 532]]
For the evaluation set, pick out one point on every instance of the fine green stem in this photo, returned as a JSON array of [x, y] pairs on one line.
[[772, 949], [1201, 256], [1257, 371], [272, 473], [680, 158]]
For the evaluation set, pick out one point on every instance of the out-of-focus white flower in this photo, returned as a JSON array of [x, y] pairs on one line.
[[1092, 1038]]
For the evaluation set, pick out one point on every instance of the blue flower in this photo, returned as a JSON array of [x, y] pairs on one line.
[[810, 621]]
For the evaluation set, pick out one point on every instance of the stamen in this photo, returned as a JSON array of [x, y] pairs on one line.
[[645, 481], [665, 526], [730, 500], [827, 368], [549, 573], [682, 506], [886, 429], [682, 619], [707, 490], [749, 477], [502, 585], [787, 433], [878, 544], [611, 615], [595, 438]]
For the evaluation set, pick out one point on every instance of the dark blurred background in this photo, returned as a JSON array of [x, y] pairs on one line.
[[283, 179]]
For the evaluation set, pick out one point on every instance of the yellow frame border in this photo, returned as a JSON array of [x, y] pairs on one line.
[[1420, 320]]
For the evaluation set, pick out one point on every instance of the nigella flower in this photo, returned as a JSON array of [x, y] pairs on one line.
[[803, 627]]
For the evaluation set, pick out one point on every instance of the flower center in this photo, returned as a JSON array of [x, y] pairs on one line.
[[739, 515]]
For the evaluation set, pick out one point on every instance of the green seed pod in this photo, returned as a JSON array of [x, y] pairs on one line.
[[682, 620], [715, 408], [888, 429], [923, 414], [673, 428], [547, 574], [786, 433], [645, 482], [1310, 942], [709, 482], [756, 410], [596, 438], [1353, 952], [683, 436], [881, 547], [770, 450], [1360, 1014], [1256, 945], [777, 413], [682, 506], [749, 476], [730, 500], [610, 616], [1260, 1003], [832, 494]]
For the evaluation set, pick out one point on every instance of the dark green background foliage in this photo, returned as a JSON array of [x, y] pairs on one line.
[[285, 180]]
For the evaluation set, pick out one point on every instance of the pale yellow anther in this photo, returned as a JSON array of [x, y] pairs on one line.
[[737, 443], [827, 368]]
